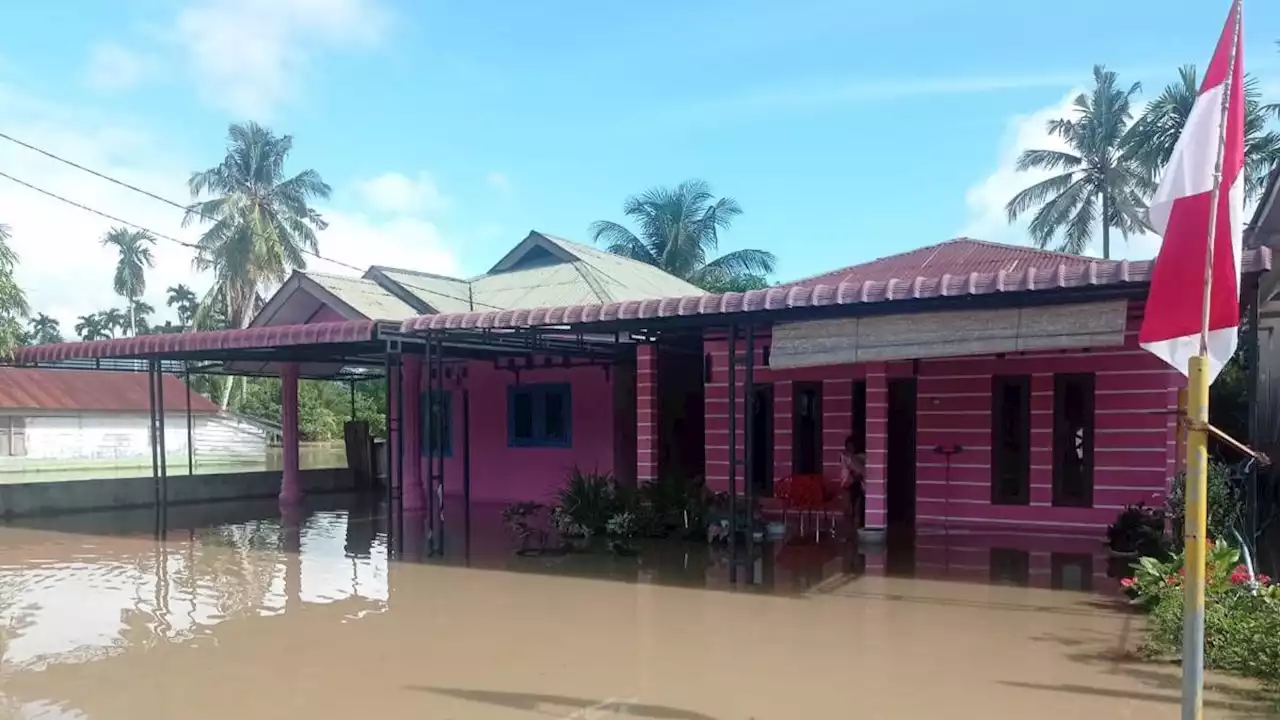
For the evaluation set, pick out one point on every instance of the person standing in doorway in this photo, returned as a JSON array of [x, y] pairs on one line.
[[853, 473]]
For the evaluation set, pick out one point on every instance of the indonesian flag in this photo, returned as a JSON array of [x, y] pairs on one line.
[[1180, 211]]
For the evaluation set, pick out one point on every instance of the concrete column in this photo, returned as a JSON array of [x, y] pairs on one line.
[[837, 423], [646, 413], [414, 496], [291, 483], [877, 444]]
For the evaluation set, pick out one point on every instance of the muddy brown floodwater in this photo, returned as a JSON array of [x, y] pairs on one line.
[[239, 613]]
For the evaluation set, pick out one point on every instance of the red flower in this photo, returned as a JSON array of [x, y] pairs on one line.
[[1264, 579], [1127, 582], [1182, 572]]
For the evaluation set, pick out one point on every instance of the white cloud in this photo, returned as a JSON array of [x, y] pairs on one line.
[[249, 56], [358, 240], [400, 194], [986, 198], [113, 68], [64, 269], [499, 181]]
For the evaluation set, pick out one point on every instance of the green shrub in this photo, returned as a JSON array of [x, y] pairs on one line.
[[1225, 504], [1240, 631], [589, 499]]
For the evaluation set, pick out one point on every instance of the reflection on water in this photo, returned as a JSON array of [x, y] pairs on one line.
[[94, 610]]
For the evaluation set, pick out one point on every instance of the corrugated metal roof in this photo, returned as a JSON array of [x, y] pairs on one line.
[[364, 296], [959, 256], [570, 274], [30, 389], [445, 294], [270, 336], [1026, 277]]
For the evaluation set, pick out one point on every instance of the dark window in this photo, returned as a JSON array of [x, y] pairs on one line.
[[539, 416], [859, 416], [706, 368], [806, 428], [1073, 440], [1011, 440], [437, 434], [1071, 571], [1010, 566]]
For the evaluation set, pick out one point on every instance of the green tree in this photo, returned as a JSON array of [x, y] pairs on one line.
[[185, 301], [262, 223], [45, 330], [1151, 140], [114, 320], [1094, 182], [13, 301], [130, 281], [92, 327], [678, 229], [140, 313]]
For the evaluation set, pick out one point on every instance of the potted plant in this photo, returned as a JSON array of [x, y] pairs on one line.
[[1138, 531], [621, 529]]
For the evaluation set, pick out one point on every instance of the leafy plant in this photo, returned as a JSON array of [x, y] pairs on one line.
[[518, 517], [621, 526], [588, 499], [1152, 576], [1225, 502], [1138, 529], [1240, 631]]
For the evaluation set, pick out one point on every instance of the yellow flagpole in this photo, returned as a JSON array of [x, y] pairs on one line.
[[1197, 443]]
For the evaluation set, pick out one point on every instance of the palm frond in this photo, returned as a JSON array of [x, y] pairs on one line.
[[1037, 194]]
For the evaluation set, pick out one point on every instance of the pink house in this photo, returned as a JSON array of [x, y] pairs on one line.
[[991, 386]]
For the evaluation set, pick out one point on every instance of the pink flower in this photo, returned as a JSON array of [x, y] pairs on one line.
[[1127, 582]]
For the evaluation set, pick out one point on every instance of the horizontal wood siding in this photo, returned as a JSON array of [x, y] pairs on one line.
[[1135, 438]]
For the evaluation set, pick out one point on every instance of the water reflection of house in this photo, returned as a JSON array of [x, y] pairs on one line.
[[99, 415], [1023, 362]]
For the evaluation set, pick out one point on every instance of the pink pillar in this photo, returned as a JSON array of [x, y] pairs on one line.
[[877, 444], [646, 413], [414, 499], [290, 484]]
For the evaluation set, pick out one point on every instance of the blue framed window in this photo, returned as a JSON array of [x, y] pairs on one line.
[[539, 415], [441, 409]]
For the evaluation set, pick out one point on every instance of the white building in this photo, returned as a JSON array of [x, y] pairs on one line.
[[83, 415]]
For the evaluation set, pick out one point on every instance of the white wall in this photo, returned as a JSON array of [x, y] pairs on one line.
[[124, 435]]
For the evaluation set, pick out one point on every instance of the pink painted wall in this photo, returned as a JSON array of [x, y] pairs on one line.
[[507, 474], [1134, 442]]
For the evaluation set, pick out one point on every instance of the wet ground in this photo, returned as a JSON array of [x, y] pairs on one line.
[[240, 613]]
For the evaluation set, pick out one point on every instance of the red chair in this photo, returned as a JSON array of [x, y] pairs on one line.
[[811, 494]]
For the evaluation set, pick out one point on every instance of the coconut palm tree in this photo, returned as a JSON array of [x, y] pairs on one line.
[[114, 320], [92, 327], [130, 280], [140, 313], [185, 300], [45, 330], [1093, 182], [13, 301], [262, 223], [679, 229], [1152, 137]]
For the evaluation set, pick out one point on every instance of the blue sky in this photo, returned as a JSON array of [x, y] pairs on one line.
[[846, 129]]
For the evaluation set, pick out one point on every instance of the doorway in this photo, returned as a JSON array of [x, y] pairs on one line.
[[900, 453], [806, 426], [762, 441]]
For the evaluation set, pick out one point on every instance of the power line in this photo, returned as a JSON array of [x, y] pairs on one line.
[[123, 184], [471, 303], [91, 171], [110, 217]]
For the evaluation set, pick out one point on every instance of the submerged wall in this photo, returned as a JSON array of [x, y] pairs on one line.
[[43, 498], [503, 472]]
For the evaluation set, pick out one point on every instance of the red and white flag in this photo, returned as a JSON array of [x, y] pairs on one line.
[[1180, 211]]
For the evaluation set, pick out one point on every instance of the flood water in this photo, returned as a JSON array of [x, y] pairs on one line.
[[241, 613]]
